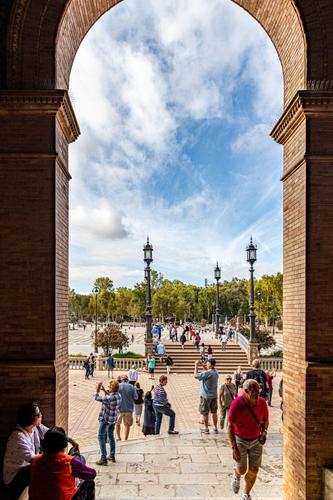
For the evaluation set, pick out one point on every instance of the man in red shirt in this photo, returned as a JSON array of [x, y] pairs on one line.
[[247, 430]]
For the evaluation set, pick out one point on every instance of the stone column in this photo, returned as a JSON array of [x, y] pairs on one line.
[[35, 129], [305, 129]]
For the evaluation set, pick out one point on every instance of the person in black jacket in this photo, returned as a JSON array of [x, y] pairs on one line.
[[260, 376]]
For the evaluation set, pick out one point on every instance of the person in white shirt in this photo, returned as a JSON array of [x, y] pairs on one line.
[[23, 445], [133, 375]]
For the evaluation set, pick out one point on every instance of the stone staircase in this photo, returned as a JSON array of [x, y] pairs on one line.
[[184, 467], [227, 361]]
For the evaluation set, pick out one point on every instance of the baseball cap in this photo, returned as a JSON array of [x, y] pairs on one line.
[[212, 361], [124, 377]]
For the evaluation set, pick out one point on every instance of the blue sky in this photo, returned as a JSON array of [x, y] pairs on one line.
[[175, 112]]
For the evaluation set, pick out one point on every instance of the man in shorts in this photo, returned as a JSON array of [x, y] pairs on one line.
[[247, 430], [208, 397], [128, 395]]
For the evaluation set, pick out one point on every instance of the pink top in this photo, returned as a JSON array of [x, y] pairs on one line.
[[246, 426]]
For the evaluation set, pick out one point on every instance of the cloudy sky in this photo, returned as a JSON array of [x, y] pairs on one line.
[[175, 100]]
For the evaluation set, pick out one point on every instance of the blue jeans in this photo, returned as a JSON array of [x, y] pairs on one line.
[[106, 430], [159, 412]]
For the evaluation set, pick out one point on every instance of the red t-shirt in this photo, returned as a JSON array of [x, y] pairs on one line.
[[246, 426]]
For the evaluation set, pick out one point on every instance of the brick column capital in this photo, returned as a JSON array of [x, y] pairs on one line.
[[35, 102]]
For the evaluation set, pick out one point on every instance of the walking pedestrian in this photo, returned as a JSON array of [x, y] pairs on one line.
[[169, 363], [92, 364], [86, 366], [247, 430], [227, 394], [260, 376], [110, 365], [128, 395], [269, 382], [133, 375], [107, 419], [238, 377], [163, 407], [183, 339], [208, 396], [197, 340], [210, 351], [223, 341]]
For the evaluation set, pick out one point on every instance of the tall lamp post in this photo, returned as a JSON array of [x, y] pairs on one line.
[[96, 292], [217, 276], [259, 304], [148, 259], [251, 251], [273, 318]]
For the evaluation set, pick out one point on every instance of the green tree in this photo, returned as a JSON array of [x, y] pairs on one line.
[[111, 338]]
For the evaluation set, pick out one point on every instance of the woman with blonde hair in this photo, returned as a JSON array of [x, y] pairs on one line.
[[107, 419]]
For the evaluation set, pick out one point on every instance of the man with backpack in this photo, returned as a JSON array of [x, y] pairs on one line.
[[260, 376]]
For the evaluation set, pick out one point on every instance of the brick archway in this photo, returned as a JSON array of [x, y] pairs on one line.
[[38, 42]]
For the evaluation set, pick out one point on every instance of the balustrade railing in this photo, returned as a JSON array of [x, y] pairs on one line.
[[76, 363], [242, 341], [271, 364]]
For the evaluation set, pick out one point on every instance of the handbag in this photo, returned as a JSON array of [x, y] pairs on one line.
[[262, 438]]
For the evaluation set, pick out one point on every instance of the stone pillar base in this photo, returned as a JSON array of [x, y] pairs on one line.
[[148, 349], [253, 352]]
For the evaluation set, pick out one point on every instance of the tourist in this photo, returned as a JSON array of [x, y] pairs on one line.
[[197, 340], [269, 382], [163, 407], [209, 351], [260, 376], [128, 395], [203, 353], [151, 367], [169, 363], [86, 366], [133, 375], [159, 331], [160, 351], [183, 339], [238, 377], [22, 446], [223, 341], [247, 430], [107, 419], [227, 394], [110, 365], [138, 403], [53, 473], [92, 364], [149, 417], [208, 396]]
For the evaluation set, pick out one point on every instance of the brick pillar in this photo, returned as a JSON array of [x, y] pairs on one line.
[[305, 129], [35, 129]]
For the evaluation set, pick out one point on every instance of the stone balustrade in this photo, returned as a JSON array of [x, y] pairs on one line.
[[271, 364], [76, 363]]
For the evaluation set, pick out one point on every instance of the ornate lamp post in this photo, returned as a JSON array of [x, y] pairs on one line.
[[96, 292], [148, 259], [259, 303], [251, 251], [217, 276]]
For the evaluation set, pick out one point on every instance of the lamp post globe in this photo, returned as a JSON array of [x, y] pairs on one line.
[[96, 291], [251, 253], [217, 276], [148, 259]]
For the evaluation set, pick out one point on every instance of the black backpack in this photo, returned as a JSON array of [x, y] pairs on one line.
[[259, 377]]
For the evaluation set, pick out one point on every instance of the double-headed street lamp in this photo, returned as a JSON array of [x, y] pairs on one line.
[[251, 251], [217, 276], [96, 292], [148, 259]]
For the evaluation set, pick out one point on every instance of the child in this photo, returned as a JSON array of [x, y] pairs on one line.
[[138, 403], [210, 351], [149, 415]]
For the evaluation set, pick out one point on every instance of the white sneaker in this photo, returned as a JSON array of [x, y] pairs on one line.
[[246, 497], [235, 483]]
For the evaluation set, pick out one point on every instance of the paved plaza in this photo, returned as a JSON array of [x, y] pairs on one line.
[[186, 466]]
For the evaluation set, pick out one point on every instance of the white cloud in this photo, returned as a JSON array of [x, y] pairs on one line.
[[142, 73]]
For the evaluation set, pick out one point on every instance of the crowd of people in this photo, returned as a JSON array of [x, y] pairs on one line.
[[36, 455]]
